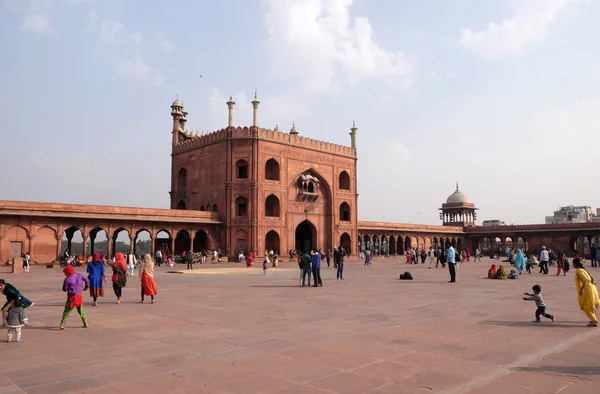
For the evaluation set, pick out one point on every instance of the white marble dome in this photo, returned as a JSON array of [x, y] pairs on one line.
[[457, 197]]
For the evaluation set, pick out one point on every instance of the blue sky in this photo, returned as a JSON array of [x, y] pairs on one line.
[[501, 96]]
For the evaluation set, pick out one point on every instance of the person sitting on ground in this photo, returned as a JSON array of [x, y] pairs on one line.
[[492, 272], [501, 274]]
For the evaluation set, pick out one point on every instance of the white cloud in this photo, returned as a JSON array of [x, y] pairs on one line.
[[135, 67], [162, 42], [37, 18], [93, 21], [110, 32], [530, 23], [137, 38], [312, 39]]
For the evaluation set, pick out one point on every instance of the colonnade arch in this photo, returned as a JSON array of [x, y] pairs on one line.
[[397, 244], [47, 243]]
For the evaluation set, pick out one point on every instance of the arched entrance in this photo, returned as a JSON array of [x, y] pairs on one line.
[[346, 243], [200, 241], [272, 241], [306, 235]]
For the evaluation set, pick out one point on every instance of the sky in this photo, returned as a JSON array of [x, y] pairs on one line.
[[502, 96]]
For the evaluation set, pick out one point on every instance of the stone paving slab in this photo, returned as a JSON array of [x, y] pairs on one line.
[[227, 329]]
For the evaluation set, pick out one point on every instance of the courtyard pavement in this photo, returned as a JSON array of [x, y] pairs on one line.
[[227, 329]]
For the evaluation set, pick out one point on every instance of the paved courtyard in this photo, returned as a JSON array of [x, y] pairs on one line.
[[223, 329]]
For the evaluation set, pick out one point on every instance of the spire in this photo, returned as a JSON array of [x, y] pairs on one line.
[[255, 103], [353, 135], [456, 185], [293, 131], [230, 105]]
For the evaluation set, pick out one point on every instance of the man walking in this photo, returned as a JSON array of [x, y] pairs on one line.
[[593, 251], [316, 269], [305, 261], [452, 264], [339, 260], [544, 258]]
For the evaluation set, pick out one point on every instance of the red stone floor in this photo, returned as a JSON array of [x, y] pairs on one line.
[[229, 330]]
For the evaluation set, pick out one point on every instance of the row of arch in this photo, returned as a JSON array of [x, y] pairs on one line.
[[273, 208], [46, 244], [573, 244], [272, 173], [398, 244]]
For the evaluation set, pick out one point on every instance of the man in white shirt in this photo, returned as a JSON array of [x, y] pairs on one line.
[[544, 258], [452, 263], [431, 257]]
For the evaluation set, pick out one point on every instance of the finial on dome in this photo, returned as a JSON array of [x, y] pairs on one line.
[[293, 131], [456, 185], [255, 93]]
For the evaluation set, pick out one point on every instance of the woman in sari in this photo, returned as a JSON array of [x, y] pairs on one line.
[[119, 276], [492, 272], [587, 293], [147, 278], [520, 261], [95, 271]]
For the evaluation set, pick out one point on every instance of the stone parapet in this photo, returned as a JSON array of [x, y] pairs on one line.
[[81, 211], [519, 228], [364, 227], [197, 141]]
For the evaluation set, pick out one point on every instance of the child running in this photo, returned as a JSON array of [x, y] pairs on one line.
[[539, 302], [15, 319]]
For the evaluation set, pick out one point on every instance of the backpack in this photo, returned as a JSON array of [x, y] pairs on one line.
[[406, 276]]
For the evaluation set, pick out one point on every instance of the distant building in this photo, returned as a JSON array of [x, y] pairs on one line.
[[488, 223], [571, 214]]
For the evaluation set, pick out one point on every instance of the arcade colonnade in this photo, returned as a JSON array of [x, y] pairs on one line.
[[47, 242], [570, 243], [398, 243], [46, 230]]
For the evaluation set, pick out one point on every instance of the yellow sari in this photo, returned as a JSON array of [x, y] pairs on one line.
[[588, 298]]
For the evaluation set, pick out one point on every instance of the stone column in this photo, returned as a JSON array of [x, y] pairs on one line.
[[172, 239], [1, 247], [85, 244], [131, 243], [31, 239]]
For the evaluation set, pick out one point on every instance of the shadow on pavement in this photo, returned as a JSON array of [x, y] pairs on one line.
[[562, 369], [544, 324]]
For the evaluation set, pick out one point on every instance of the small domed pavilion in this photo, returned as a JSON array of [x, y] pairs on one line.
[[458, 210]]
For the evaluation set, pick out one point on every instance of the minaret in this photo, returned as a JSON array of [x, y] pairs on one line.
[[179, 114], [255, 103], [230, 105], [293, 131], [353, 135]]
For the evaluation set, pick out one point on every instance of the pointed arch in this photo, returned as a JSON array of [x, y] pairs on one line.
[[272, 206], [272, 170], [344, 181], [241, 167], [182, 178], [344, 212]]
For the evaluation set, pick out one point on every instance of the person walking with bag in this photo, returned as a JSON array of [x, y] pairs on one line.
[[119, 276]]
